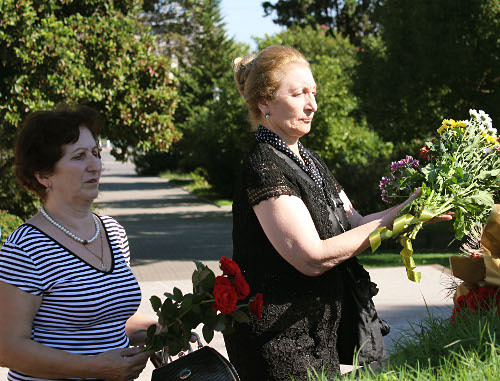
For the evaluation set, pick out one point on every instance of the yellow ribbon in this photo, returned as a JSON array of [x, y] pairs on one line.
[[398, 226]]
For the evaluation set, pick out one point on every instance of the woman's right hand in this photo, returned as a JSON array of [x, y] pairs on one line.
[[122, 364], [392, 213]]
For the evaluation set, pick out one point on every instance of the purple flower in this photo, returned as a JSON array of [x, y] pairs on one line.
[[408, 162]]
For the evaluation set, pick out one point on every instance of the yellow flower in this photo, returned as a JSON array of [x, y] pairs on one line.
[[449, 123], [490, 140], [461, 124], [441, 129]]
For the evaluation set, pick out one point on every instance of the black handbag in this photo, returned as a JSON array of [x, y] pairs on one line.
[[204, 364], [360, 330]]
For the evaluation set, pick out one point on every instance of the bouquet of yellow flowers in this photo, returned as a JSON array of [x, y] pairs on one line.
[[459, 171]]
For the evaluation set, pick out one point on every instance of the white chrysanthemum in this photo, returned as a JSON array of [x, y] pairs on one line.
[[474, 114], [485, 119]]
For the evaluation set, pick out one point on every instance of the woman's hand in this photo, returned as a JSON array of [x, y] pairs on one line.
[[392, 213], [444, 217], [122, 364]]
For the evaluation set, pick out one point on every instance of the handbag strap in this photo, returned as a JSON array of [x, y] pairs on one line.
[[166, 358]]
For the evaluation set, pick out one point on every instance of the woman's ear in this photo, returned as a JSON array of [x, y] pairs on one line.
[[43, 179], [263, 106]]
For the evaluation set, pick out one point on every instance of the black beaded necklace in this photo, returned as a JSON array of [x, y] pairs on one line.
[[263, 135]]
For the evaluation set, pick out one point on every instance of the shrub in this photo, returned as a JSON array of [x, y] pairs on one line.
[[8, 223]]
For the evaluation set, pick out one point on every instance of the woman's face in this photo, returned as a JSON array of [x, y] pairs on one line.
[[76, 175], [292, 110]]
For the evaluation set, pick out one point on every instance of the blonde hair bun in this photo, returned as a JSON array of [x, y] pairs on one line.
[[242, 66]]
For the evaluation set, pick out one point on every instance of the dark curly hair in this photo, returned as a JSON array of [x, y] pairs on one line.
[[40, 141]]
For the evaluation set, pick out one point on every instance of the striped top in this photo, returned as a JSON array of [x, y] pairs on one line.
[[83, 309]]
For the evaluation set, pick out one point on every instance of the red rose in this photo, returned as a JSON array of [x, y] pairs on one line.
[[229, 267], [255, 305], [471, 300], [241, 286], [225, 295]]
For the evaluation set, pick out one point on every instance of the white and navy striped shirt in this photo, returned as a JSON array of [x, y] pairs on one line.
[[83, 309]]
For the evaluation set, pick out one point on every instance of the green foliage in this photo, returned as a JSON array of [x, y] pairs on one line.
[[86, 52], [434, 59], [350, 18], [152, 162], [180, 313], [14, 198], [8, 223], [353, 152], [214, 131], [219, 137]]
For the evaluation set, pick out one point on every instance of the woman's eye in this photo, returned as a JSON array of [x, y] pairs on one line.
[[78, 157]]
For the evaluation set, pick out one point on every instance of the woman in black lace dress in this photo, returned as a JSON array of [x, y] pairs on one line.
[[295, 233]]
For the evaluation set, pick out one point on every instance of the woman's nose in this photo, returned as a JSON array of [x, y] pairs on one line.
[[95, 164], [311, 104]]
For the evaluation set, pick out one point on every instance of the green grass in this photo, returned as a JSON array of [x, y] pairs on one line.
[[195, 183], [436, 349], [392, 259]]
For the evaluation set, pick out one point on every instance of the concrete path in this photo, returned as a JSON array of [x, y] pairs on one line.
[[168, 228]]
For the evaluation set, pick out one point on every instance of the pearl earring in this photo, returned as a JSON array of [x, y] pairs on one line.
[[267, 115]]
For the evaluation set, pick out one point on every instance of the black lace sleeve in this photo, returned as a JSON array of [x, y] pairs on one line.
[[264, 178]]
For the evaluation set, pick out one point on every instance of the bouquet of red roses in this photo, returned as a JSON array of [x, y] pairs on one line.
[[213, 303]]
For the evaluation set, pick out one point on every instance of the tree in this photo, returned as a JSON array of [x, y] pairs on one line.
[[206, 54], [434, 60], [350, 18], [354, 153], [81, 52]]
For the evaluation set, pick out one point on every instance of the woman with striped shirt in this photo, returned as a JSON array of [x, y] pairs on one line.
[[69, 299]]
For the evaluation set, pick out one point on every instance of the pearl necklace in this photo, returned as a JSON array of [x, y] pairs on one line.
[[78, 239]]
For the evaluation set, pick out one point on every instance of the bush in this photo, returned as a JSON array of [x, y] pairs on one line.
[[152, 163], [8, 223]]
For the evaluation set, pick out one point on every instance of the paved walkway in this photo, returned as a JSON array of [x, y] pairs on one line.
[[168, 228]]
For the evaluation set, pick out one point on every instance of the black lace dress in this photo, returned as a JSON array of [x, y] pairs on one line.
[[301, 314]]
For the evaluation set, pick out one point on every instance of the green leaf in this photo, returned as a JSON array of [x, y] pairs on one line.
[[494, 173], [208, 333], [177, 295], [155, 303], [207, 280], [240, 316], [169, 311], [482, 198], [221, 323], [430, 173], [200, 266], [151, 331]]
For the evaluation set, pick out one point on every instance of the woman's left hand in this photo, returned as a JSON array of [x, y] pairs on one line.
[[444, 217]]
